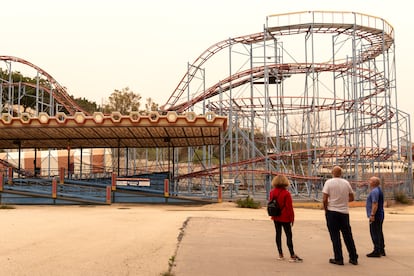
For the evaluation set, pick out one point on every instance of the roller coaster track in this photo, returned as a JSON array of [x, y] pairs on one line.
[[325, 152], [376, 36], [22, 172], [57, 91], [291, 104], [379, 40], [249, 75]]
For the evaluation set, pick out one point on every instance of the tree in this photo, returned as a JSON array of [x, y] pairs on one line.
[[150, 105], [27, 98], [86, 105], [123, 101]]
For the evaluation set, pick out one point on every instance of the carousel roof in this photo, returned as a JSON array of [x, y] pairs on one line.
[[111, 131]]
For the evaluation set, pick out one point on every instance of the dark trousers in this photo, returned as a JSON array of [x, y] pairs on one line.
[[339, 223], [288, 231], [377, 236]]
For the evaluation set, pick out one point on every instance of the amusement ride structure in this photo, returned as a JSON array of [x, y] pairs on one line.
[[311, 90]]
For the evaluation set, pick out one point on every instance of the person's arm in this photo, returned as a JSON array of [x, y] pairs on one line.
[[325, 202], [351, 193], [351, 197], [288, 206], [373, 211]]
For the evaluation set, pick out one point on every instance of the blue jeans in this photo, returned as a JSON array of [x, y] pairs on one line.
[[339, 223], [377, 236]]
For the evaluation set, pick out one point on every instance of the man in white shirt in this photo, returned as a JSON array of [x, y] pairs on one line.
[[337, 192]]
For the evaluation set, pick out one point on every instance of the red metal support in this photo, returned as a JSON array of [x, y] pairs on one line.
[[219, 194], [166, 188], [54, 188]]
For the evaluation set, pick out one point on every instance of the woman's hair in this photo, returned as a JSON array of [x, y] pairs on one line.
[[280, 181]]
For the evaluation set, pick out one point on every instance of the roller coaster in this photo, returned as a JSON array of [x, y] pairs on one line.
[[59, 99], [310, 90], [341, 109]]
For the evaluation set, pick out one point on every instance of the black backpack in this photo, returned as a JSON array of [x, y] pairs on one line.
[[273, 208]]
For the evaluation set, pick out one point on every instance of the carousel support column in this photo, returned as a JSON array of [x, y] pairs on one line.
[[112, 188], [69, 170], [166, 189]]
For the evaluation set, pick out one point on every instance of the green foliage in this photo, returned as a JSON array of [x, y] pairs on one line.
[[150, 105], [248, 202], [16, 77], [402, 198], [87, 105], [6, 207], [123, 101], [29, 99]]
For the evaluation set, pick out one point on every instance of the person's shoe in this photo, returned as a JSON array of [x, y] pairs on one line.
[[280, 258], [295, 259], [383, 253], [354, 262], [337, 262], [374, 254]]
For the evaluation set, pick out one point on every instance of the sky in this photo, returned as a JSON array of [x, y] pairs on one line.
[[93, 47]]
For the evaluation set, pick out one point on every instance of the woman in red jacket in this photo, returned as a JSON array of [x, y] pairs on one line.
[[286, 218]]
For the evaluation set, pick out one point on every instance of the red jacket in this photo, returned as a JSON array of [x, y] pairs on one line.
[[285, 202]]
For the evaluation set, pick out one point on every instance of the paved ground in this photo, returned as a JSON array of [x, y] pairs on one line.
[[245, 246], [214, 240]]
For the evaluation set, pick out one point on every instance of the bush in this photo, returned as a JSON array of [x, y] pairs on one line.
[[6, 207], [402, 198], [248, 202]]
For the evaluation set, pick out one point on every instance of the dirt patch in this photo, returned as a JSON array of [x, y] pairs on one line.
[[319, 205]]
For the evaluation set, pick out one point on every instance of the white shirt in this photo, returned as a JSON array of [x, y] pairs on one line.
[[338, 190]]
